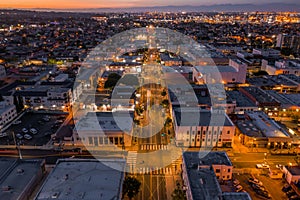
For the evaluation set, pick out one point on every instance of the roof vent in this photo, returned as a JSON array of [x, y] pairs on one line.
[[55, 195], [201, 181], [6, 188], [66, 177]]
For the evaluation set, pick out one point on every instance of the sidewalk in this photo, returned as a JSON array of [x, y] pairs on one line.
[[237, 147], [171, 185]]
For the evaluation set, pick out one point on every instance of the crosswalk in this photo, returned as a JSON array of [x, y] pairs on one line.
[[153, 147], [131, 160], [132, 166], [154, 171]]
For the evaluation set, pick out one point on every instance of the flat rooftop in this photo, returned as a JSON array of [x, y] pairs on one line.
[[18, 181], [5, 164], [106, 121], [294, 170], [202, 117], [84, 179], [204, 184], [211, 69], [177, 69], [292, 77], [240, 98], [249, 129], [202, 179], [236, 196], [284, 101], [267, 126], [293, 97], [260, 95], [204, 158], [3, 109]]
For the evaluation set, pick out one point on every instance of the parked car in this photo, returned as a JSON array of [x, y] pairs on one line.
[[19, 136], [239, 188], [3, 135], [17, 122], [27, 137], [286, 188], [236, 182], [41, 122], [279, 166], [24, 130], [264, 194], [262, 166], [33, 131], [46, 119], [295, 197], [255, 181], [290, 193]]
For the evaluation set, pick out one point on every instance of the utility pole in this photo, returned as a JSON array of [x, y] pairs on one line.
[[17, 146]]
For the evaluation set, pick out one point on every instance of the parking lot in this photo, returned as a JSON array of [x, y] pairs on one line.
[[44, 124], [273, 187]]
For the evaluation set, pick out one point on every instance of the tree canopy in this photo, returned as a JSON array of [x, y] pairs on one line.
[[178, 193], [131, 187], [112, 80]]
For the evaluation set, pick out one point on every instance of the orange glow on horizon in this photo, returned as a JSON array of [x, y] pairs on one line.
[[66, 4]]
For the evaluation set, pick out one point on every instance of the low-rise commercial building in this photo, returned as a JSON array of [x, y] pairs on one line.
[[256, 129], [19, 178], [240, 103], [84, 179], [291, 174], [202, 172], [201, 128], [2, 72], [98, 129], [7, 114], [284, 67], [235, 72], [262, 99]]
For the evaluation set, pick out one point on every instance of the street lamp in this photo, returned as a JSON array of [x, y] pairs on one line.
[[265, 159]]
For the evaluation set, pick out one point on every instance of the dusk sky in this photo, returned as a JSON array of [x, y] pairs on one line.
[[121, 3]]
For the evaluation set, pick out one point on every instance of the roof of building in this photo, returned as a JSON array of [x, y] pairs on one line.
[[6, 108], [84, 179], [15, 84], [178, 69], [168, 57], [260, 123], [240, 98], [210, 69], [294, 170], [184, 116], [249, 129], [284, 101], [18, 181], [236, 196], [202, 179], [204, 184], [292, 77], [106, 122], [206, 158], [5, 164], [260, 95], [295, 98], [271, 80]]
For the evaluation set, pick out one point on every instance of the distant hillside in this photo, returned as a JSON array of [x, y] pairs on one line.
[[277, 7]]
